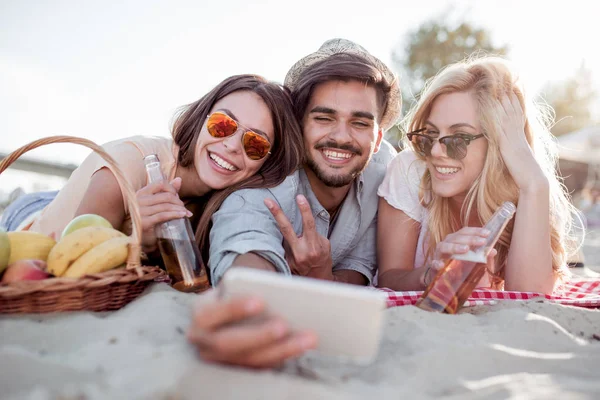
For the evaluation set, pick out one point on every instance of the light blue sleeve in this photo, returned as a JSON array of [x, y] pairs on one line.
[[242, 225], [363, 257]]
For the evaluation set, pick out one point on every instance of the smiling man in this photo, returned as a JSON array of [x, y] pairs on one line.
[[321, 221]]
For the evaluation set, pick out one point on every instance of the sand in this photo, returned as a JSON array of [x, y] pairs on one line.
[[511, 350]]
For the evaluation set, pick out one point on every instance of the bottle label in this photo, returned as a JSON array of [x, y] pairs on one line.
[[477, 257]]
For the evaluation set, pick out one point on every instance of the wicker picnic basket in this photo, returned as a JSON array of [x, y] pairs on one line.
[[104, 291]]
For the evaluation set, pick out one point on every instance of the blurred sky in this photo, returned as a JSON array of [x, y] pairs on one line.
[[110, 69]]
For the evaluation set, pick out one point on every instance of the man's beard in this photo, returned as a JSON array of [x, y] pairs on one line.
[[331, 180]]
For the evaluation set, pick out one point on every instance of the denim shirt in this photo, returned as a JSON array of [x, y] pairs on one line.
[[243, 224]]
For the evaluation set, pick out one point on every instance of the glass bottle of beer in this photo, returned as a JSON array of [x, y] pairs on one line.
[[177, 245], [455, 282]]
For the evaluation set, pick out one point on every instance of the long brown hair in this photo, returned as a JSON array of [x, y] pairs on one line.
[[342, 67], [286, 152]]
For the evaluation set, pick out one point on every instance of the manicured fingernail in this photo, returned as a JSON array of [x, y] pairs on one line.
[[269, 204], [480, 240], [485, 232], [301, 199], [463, 247], [189, 213]]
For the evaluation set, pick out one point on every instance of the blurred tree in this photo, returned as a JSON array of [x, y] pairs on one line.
[[435, 44], [571, 100]]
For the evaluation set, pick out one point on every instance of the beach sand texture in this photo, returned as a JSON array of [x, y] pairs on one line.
[[528, 350]]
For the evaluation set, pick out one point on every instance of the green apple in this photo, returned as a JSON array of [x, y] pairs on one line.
[[85, 220], [4, 249]]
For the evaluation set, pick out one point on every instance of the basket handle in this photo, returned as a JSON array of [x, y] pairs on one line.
[[135, 248]]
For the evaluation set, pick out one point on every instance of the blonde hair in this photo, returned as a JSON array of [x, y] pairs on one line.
[[488, 78]]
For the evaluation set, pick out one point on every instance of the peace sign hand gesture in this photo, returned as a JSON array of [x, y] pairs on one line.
[[307, 254]]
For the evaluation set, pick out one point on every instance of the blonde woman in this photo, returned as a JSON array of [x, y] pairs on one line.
[[475, 141]]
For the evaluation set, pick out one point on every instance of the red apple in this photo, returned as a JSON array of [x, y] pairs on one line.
[[25, 270]]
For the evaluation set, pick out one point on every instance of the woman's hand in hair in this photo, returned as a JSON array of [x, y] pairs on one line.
[[159, 202], [516, 151]]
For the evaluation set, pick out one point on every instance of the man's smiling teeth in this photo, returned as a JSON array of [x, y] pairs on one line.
[[336, 155], [222, 163], [446, 171]]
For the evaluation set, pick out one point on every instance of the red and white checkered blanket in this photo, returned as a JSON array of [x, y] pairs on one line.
[[582, 292]]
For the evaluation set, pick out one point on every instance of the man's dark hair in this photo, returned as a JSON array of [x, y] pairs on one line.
[[340, 67]]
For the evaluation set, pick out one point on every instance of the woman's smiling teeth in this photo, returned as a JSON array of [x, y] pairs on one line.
[[222, 163], [447, 170], [336, 155]]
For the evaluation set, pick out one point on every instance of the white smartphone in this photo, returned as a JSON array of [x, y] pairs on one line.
[[348, 319]]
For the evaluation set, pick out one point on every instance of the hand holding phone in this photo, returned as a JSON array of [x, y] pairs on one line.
[[237, 332], [347, 319]]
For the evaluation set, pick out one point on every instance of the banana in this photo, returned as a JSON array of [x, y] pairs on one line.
[[4, 250], [25, 245], [105, 256], [72, 246]]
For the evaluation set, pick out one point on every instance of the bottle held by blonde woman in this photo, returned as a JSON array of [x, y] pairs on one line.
[[455, 282]]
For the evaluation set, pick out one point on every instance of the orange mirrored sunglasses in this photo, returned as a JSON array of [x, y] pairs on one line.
[[221, 125]]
